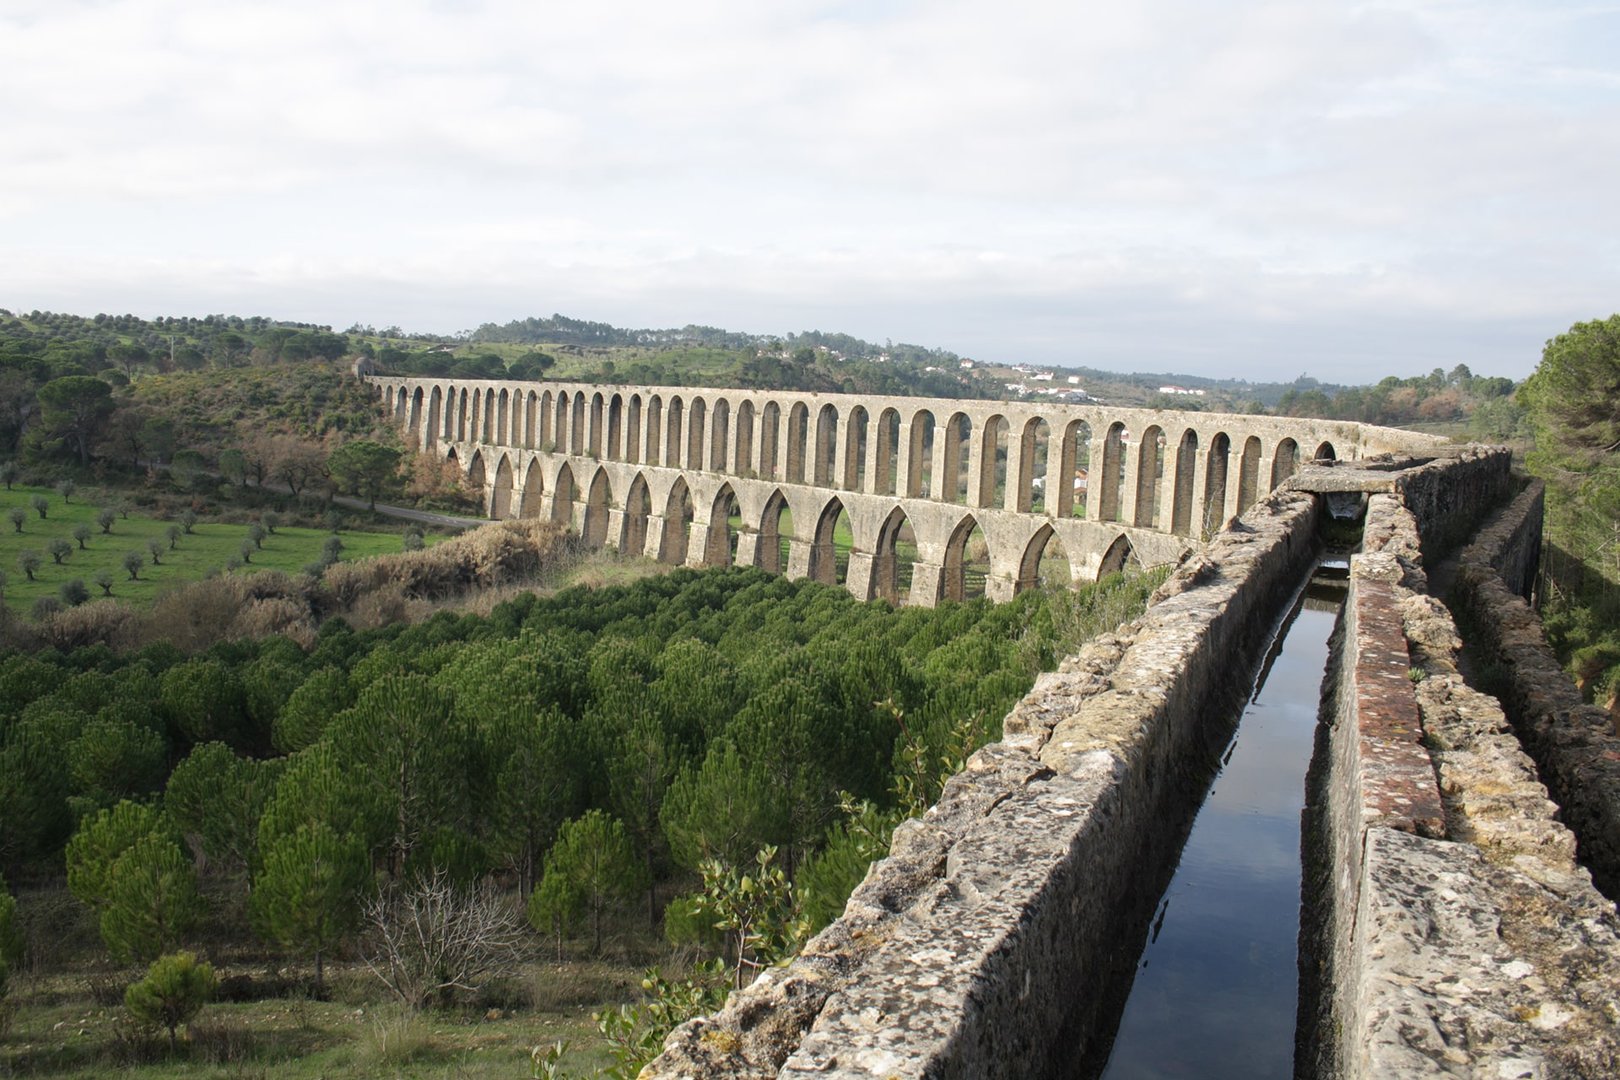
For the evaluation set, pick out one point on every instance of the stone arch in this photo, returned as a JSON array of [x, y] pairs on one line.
[[534, 488], [721, 549], [798, 433], [461, 417], [826, 445], [500, 493], [696, 416], [993, 449], [593, 444], [677, 523], [894, 558], [548, 438], [1325, 452], [559, 428], [414, 423], [1215, 479], [770, 435], [477, 481], [772, 551], [720, 436], [435, 418], [855, 436], [632, 430], [503, 410], [1032, 491], [886, 462], [1249, 474], [531, 410], [597, 502], [673, 431], [488, 426], [1119, 556], [637, 513], [1074, 458], [744, 463], [615, 428], [953, 477], [1045, 562], [967, 561], [576, 424], [476, 426], [1284, 462], [400, 401], [562, 498], [827, 564], [1149, 477], [1181, 502], [920, 457], [655, 429], [1113, 472]]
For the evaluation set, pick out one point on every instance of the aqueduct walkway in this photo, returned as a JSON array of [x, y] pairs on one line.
[[707, 476]]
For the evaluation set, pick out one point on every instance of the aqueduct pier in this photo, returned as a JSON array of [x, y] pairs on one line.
[[668, 471]]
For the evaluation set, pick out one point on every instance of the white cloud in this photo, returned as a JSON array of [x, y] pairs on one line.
[[1262, 187]]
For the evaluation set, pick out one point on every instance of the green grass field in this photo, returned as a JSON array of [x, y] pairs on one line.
[[210, 546]]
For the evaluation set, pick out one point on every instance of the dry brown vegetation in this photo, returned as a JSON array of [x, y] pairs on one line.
[[366, 593]]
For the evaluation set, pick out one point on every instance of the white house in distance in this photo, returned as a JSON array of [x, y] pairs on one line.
[[1180, 390]]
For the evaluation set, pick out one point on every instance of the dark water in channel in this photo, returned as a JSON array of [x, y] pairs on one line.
[[1216, 987]]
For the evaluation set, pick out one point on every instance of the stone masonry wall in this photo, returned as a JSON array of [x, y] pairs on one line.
[[990, 941], [1575, 744], [1451, 932], [1447, 495]]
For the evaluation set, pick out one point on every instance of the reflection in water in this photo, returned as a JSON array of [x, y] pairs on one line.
[[1215, 992]]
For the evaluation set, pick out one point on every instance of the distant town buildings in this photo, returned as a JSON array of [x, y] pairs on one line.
[[1180, 390]]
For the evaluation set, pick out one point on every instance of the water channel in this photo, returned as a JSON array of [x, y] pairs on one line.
[[1215, 990]]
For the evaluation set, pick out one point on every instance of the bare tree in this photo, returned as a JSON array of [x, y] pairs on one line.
[[427, 937]]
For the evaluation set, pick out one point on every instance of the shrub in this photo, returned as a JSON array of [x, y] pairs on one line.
[[256, 534], [74, 592], [45, 607], [175, 989], [332, 549], [271, 519], [413, 540]]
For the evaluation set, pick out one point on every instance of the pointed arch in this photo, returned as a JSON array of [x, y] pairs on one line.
[[476, 479], [435, 418], [967, 561], [992, 488], [775, 533], [637, 512], [534, 489], [920, 480], [655, 429], [562, 498], [677, 523], [673, 432], [594, 531], [894, 559], [721, 548], [829, 550], [744, 465], [503, 410], [826, 445], [500, 494], [1119, 557], [1045, 562]]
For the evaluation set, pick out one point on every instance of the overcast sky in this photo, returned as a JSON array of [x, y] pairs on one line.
[[1241, 188]]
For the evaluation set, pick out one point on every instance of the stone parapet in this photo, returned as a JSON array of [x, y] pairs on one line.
[[994, 938], [1471, 945]]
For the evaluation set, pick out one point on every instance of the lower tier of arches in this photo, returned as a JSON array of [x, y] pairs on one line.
[[907, 551]]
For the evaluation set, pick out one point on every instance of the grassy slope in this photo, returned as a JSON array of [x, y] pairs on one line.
[[210, 547]]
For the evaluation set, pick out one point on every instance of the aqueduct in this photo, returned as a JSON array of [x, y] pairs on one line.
[[706, 476]]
